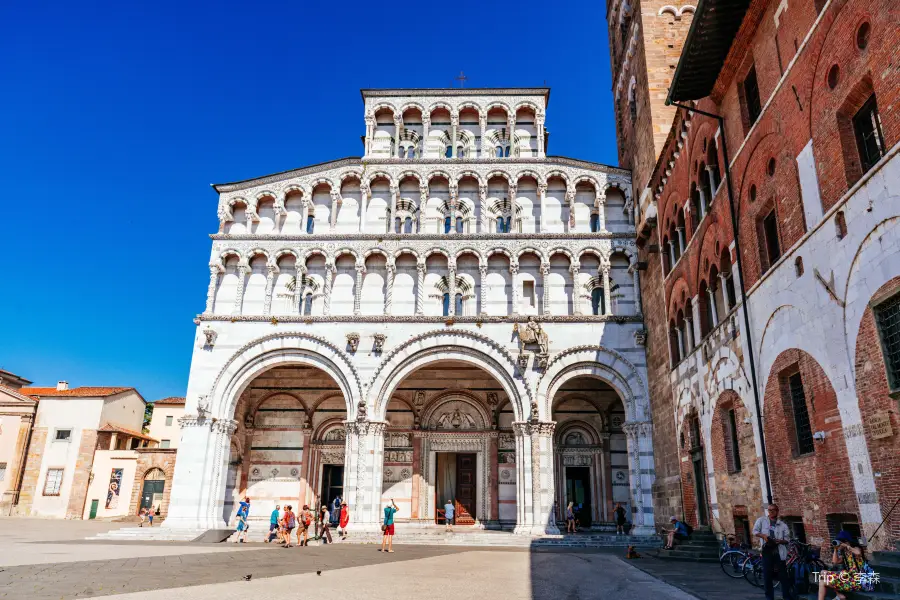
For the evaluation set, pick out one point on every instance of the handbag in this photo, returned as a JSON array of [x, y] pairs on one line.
[[383, 528]]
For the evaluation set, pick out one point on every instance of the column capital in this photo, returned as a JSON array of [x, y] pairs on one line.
[[545, 269]]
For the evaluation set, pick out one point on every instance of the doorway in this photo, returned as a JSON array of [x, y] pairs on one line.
[[700, 487], [578, 491], [456, 481], [332, 484], [152, 494]]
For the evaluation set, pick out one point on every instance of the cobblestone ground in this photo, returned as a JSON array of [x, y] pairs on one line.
[[62, 565]]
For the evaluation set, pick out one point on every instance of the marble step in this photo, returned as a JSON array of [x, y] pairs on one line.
[[149, 534]]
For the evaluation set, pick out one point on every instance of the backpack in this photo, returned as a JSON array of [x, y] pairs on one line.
[[690, 530], [292, 522], [306, 519]]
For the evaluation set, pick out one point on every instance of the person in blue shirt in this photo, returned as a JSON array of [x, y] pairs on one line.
[[242, 526], [679, 531], [274, 526], [388, 527]]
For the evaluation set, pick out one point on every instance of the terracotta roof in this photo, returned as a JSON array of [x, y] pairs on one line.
[[131, 432], [80, 392], [16, 394], [173, 400]]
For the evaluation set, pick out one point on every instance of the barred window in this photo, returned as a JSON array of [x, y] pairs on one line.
[[732, 449], [869, 140], [802, 426], [887, 319], [53, 483]]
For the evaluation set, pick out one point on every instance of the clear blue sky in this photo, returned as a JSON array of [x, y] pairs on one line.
[[115, 119]]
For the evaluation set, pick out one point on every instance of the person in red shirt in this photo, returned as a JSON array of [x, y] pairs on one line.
[[345, 519]]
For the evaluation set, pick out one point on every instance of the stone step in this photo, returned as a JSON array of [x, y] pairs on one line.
[[149, 534]]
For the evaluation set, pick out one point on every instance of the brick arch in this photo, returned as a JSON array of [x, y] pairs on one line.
[[874, 394], [688, 481], [695, 139], [673, 301], [712, 231], [148, 460], [811, 485]]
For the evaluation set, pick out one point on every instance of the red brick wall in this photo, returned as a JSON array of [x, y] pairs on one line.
[[81, 477], [688, 482], [814, 485], [874, 397]]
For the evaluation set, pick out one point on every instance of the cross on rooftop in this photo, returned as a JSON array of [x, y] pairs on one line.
[[462, 79]]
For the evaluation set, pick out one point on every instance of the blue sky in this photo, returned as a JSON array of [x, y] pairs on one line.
[[116, 118]]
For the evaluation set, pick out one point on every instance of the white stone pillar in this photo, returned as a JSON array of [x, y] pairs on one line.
[[680, 336], [420, 288], [576, 296], [271, 272], [712, 180], [454, 200], [329, 282], [363, 205], [672, 253], [398, 129], [639, 437], [511, 126], [454, 126], [681, 242], [545, 286], [689, 331], [214, 270], [724, 289], [389, 292], [539, 122], [695, 321], [607, 296], [635, 273], [357, 290], [451, 288], [243, 271], [600, 201], [702, 202], [482, 208], [711, 295], [304, 214], [395, 202], [299, 287], [426, 123], [482, 289], [514, 277], [542, 190], [535, 439], [335, 206], [423, 201], [514, 217], [482, 124], [370, 133], [570, 200], [363, 472]]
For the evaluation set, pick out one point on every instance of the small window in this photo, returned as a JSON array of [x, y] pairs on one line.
[[311, 224], [732, 449], [407, 225], [771, 245], [770, 167], [446, 304], [597, 301], [595, 223], [63, 435], [401, 153], [448, 152], [802, 427], [751, 96], [447, 224], [169, 420], [460, 152], [2, 471], [460, 225], [528, 298], [862, 36], [165, 443], [798, 531], [798, 266], [499, 151], [506, 152], [752, 193], [887, 320], [397, 226], [307, 304], [53, 483], [869, 141], [458, 304], [834, 76], [840, 225]]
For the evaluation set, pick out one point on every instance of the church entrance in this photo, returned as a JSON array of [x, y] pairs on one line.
[[578, 491], [332, 484], [455, 476]]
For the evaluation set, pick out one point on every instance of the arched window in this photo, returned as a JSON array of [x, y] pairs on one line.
[[310, 223], [448, 153], [506, 152], [597, 301], [595, 223], [447, 224], [307, 304], [407, 225], [460, 152], [499, 151], [397, 224], [508, 227], [446, 301], [459, 225], [458, 305], [401, 152], [501, 225]]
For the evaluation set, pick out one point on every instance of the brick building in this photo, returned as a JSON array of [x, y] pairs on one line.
[[811, 373]]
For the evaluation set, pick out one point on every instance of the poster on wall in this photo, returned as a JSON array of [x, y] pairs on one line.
[[115, 484]]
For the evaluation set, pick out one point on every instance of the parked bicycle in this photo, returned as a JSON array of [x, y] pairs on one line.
[[732, 556]]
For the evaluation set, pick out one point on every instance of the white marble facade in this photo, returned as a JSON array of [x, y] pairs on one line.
[[454, 248]]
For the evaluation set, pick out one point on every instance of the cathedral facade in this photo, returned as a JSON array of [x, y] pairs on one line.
[[455, 316]]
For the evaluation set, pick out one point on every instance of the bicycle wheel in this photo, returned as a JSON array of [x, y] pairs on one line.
[[731, 563]]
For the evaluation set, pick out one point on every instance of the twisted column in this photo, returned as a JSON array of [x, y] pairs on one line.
[[570, 200], [542, 190], [576, 296], [451, 288], [514, 272], [545, 283], [482, 202], [271, 271], [454, 201], [601, 212], [389, 292], [299, 287], [357, 289], [420, 288], [426, 123], [214, 270], [637, 287], [335, 206], [243, 271], [607, 298], [423, 201], [539, 122], [329, 282], [398, 129], [483, 288], [370, 130]]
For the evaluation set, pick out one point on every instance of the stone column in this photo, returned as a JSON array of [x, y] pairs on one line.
[[672, 253], [271, 272], [482, 124], [607, 296], [363, 205], [420, 288], [395, 202], [639, 436], [702, 202], [689, 332], [335, 206], [329, 281], [494, 481], [570, 201], [514, 272], [545, 285], [454, 126], [299, 287], [539, 122], [482, 208], [306, 457], [635, 273], [363, 472], [695, 321], [426, 123], [712, 180], [724, 289], [536, 474], [482, 289], [389, 291], [451, 288], [304, 214], [357, 291], [211, 290], [600, 201], [711, 295], [511, 126], [370, 133], [513, 192], [453, 204], [542, 191], [681, 241], [398, 129], [243, 272], [576, 296], [423, 200], [416, 473]]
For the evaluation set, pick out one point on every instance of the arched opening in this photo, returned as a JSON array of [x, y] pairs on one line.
[[290, 427], [591, 452], [465, 436], [153, 491]]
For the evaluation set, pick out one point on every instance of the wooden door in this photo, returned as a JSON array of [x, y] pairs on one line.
[[465, 489]]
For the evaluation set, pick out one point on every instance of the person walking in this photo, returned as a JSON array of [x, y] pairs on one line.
[[449, 514], [774, 536], [274, 524], [345, 519], [336, 511], [570, 518], [326, 526], [143, 515], [620, 519], [288, 521], [388, 527], [305, 521], [150, 515], [242, 526]]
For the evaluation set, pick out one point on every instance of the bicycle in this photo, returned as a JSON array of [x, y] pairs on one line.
[[731, 557]]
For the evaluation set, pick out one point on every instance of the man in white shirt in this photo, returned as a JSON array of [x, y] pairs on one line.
[[449, 513], [774, 535]]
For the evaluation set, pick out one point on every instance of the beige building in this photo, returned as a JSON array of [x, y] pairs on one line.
[[16, 418], [164, 424]]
